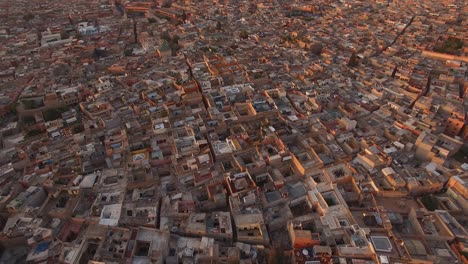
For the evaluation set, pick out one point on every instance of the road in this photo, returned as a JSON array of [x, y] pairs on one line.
[[396, 38]]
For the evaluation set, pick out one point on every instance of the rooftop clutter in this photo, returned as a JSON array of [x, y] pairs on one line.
[[233, 132]]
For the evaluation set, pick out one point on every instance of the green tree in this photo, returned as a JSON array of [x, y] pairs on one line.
[[429, 202], [128, 52], [30, 104], [13, 107], [354, 60], [451, 45], [78, 129], [52, 114], [28, 16], [287, 37], [176, 39], [27, 120], [316, 49], [33, 133], [244, 34]]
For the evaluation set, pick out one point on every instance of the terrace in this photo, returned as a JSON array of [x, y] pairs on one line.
[[115, 244], [240, 182], [339, 172]]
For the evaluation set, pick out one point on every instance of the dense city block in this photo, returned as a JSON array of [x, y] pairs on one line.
[[234, 131]]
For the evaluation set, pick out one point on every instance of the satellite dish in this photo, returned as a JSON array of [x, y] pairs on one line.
[[305, 252]]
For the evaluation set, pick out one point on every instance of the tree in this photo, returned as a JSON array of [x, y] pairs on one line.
[[28, 17], [429, 202], [253, 8], [128, 52], [52, 114], [229, 52], [451, 45], [27, 120], [174, 44], [33, 133], [31, 104], [354, 60], [78, 129], [316, 49], [98, 53], [175, 39], [257, 75], [13, 107], [244, 34]]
